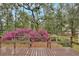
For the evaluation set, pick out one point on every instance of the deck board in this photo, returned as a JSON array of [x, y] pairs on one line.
[[39, 52]]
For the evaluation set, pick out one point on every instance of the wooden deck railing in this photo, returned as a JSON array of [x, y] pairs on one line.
[[75, 43]]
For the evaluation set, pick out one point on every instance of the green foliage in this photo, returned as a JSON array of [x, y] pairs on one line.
[[1, 33], [76, 47], [55, 19], [64, 40]]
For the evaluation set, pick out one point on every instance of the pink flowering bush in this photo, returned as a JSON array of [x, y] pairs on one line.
[[16, 34], [28, 33], [34, 35], [44, 34], [9, 35], [23, 32]]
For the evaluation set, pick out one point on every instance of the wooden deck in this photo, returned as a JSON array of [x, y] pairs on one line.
[[38, 52]]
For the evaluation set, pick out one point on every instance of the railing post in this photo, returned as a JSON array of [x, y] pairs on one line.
[[71, 41], [30, 43], [14, 48], [0, 44], [48, 43]]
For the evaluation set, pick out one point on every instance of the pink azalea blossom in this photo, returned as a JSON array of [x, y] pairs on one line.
[[9, 35], [44, 34], [29, 33]]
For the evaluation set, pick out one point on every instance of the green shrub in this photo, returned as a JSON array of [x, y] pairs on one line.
[[63, 40]]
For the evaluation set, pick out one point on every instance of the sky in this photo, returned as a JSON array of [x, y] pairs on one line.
[[30, 13]]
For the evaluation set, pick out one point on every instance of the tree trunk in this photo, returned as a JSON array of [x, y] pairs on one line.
[[1, 26], [33, 20], [15, 20], [7, 19], [72, 32]]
